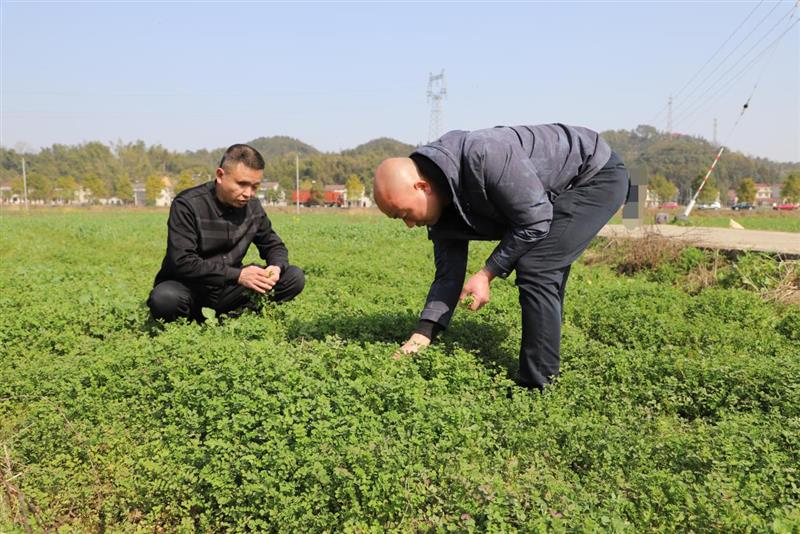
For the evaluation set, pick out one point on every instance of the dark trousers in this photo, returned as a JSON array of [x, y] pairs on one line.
[[171, 299], [578, 215]]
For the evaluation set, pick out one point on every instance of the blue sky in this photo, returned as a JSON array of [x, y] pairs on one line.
[[206, 74]]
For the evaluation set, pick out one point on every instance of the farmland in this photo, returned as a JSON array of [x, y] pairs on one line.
[[759, 219], [678, 408]]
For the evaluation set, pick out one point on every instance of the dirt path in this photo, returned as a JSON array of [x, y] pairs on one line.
[[786, 243]]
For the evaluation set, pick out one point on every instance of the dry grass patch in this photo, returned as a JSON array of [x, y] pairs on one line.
[[632, 255]]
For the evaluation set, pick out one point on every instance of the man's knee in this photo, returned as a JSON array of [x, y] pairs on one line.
[[170, 300], [540, 281], [291, 284]]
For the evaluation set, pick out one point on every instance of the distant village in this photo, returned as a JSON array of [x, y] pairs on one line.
[[331, 195], [767, 195], [270, 194]]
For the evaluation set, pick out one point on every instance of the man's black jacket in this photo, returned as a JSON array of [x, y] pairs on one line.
[[207, 240], [503, 182]]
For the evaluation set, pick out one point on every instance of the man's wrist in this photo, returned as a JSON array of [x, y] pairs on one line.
[[427, 328], [233, 275], [487, 273]]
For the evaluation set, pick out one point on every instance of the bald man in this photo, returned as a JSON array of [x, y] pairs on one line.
[[542, 191]]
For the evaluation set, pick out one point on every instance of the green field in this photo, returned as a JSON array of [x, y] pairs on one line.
[[754, 220], [760, 219], [675, 411]]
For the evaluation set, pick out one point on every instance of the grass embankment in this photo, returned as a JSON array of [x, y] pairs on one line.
[[676, 411]]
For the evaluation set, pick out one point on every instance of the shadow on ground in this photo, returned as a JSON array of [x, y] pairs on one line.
[[476, 335]]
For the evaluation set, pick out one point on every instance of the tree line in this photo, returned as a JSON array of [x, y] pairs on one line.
[[112, 170]]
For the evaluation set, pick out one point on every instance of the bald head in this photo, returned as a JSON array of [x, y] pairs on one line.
[[401, 192], [393, 176]]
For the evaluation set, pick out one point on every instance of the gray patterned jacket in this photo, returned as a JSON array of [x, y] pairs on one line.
[[503, 182]]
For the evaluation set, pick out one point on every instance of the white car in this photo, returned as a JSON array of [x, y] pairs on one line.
[[713, 206]]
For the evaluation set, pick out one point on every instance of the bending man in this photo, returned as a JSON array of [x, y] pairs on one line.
[[210, 228], [543, 191]]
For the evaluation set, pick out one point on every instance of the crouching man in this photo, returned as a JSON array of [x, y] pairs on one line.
[[542, 191], [210, 228]]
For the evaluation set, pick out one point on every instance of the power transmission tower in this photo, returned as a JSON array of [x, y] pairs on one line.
[[437, 90], [669, 114]]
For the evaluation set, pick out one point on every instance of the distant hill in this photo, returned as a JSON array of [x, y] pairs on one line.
[[383, 146], [330, 168], [269, 147], [681, 158], [280, 145]]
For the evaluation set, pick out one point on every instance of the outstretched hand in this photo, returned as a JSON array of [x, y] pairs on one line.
[[476, 287], [414, 344]]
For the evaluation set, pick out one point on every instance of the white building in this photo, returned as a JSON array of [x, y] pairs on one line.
[[271, 194]]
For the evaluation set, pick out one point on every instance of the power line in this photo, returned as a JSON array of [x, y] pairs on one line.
[[653, 120], [696, 115], [746, 105], [718, 49], [717, 80], [709, 96], [721, 63]]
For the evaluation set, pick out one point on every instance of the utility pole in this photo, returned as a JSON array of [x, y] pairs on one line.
[[25, 185], [715, 132], [297, 180], [705, 178], [669, 114], [437, 90]]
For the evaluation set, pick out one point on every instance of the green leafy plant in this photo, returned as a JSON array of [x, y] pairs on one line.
[[673, 411]]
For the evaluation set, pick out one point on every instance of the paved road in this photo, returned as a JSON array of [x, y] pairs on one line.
[[786, 243]]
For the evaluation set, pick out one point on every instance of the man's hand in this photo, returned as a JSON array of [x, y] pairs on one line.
[[414, 344], [478, 287], [259, 279], [274, 272]]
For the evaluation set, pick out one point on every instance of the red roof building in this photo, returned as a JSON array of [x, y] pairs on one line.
[[333, 195]]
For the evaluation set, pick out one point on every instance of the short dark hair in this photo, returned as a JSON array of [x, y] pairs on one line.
[[245, 154]]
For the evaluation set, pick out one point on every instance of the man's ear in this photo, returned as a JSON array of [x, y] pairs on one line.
[[422, 185], [220, 173]]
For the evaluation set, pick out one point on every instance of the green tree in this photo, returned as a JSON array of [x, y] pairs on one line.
[[273, 195], [355, 189], [123, 188], [40, 187], [184, 181], [134, 160], [746, 191], [663, 188], [791, 189], [16, 184], [317, 193], [97, 187], [152, 188], [709, 193], [66, 187]]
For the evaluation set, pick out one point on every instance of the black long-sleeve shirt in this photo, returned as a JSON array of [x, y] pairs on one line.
[[207, 240]]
